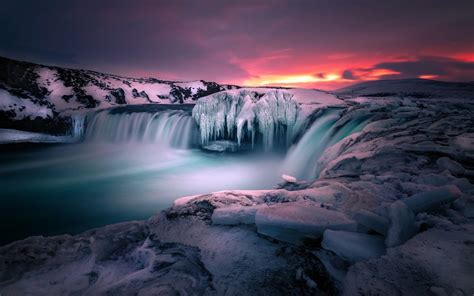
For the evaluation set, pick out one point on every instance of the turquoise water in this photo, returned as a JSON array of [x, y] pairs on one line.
[[49, 190]]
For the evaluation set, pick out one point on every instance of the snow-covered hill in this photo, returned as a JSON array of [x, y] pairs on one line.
[[415, 88], [42, 94]]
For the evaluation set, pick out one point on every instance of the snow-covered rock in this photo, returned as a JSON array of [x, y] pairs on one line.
[[451, 165], [430, 200], [45, 93], [289, 179], [434, 258], [372, 221], [221, 146], [296, 221], [402, 224], [235, 215], [120, 259], [353, 246]]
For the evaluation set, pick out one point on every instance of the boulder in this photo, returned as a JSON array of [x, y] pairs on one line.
[[372, 221], [452, 166], [430, 200], [353, 246], [294, 221], [402, 224], [234, 215], [289, 179]]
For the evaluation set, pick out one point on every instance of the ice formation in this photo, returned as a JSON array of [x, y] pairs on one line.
[[242, 115]]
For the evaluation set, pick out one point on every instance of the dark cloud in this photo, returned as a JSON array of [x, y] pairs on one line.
[[349, 75], [437, 67], [446, 68]]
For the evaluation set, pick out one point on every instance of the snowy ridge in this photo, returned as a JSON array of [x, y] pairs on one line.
[[30, 91], [414, 88]]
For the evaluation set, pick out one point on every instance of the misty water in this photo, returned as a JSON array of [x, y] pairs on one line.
[[59, 189], [131, 162]]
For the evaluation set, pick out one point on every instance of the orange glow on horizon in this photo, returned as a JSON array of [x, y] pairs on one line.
[[289, 80], [428, 76]]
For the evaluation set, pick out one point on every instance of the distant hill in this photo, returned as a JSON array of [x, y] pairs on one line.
[[418, 88]]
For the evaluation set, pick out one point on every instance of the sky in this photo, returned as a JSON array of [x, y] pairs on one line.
[[298, 43]]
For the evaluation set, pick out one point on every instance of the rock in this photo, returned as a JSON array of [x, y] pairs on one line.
[[452, 166], [119, 259], [372, 221], [289, 179], [294, 221], [353, 246], [465, 206], [235, 215], [441, 258], [430, 200], [402, 224], [221, 146]]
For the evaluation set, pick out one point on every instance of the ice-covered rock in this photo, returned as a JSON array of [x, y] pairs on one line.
[[353, 246], [452, 166], [295, 221], [402, 224], [237, 116], [436, 257], [235, 215], [120, 259], [289, 179], [372, 221], [221, 146], [430, 200]]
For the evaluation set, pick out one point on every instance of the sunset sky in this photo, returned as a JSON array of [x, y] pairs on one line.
[[312, 44]]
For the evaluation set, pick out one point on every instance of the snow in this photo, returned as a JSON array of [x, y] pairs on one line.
[[240, 114], [409, 87], [22, 108], [294, 222], [372, 221], [451, 165], [435, 258], [289, 179], [391, 165], [48, 78], [235, 215], [402, 224], [194, 86], [120, 259], [430, 200], [353, 246]]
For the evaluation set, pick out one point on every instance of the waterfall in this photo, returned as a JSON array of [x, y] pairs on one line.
[[173, 128], [328, 129], [77, 131]]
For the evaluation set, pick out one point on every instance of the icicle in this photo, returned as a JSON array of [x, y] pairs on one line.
[[236, 117]]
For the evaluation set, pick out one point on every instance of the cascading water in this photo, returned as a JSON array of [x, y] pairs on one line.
[[77, 131], [174, 128], [328, 129]]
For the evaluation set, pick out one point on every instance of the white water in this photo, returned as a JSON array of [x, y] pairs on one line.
[[328, 129], [164, 128]]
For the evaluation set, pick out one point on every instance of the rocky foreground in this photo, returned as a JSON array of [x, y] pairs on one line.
[[391, 214]]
